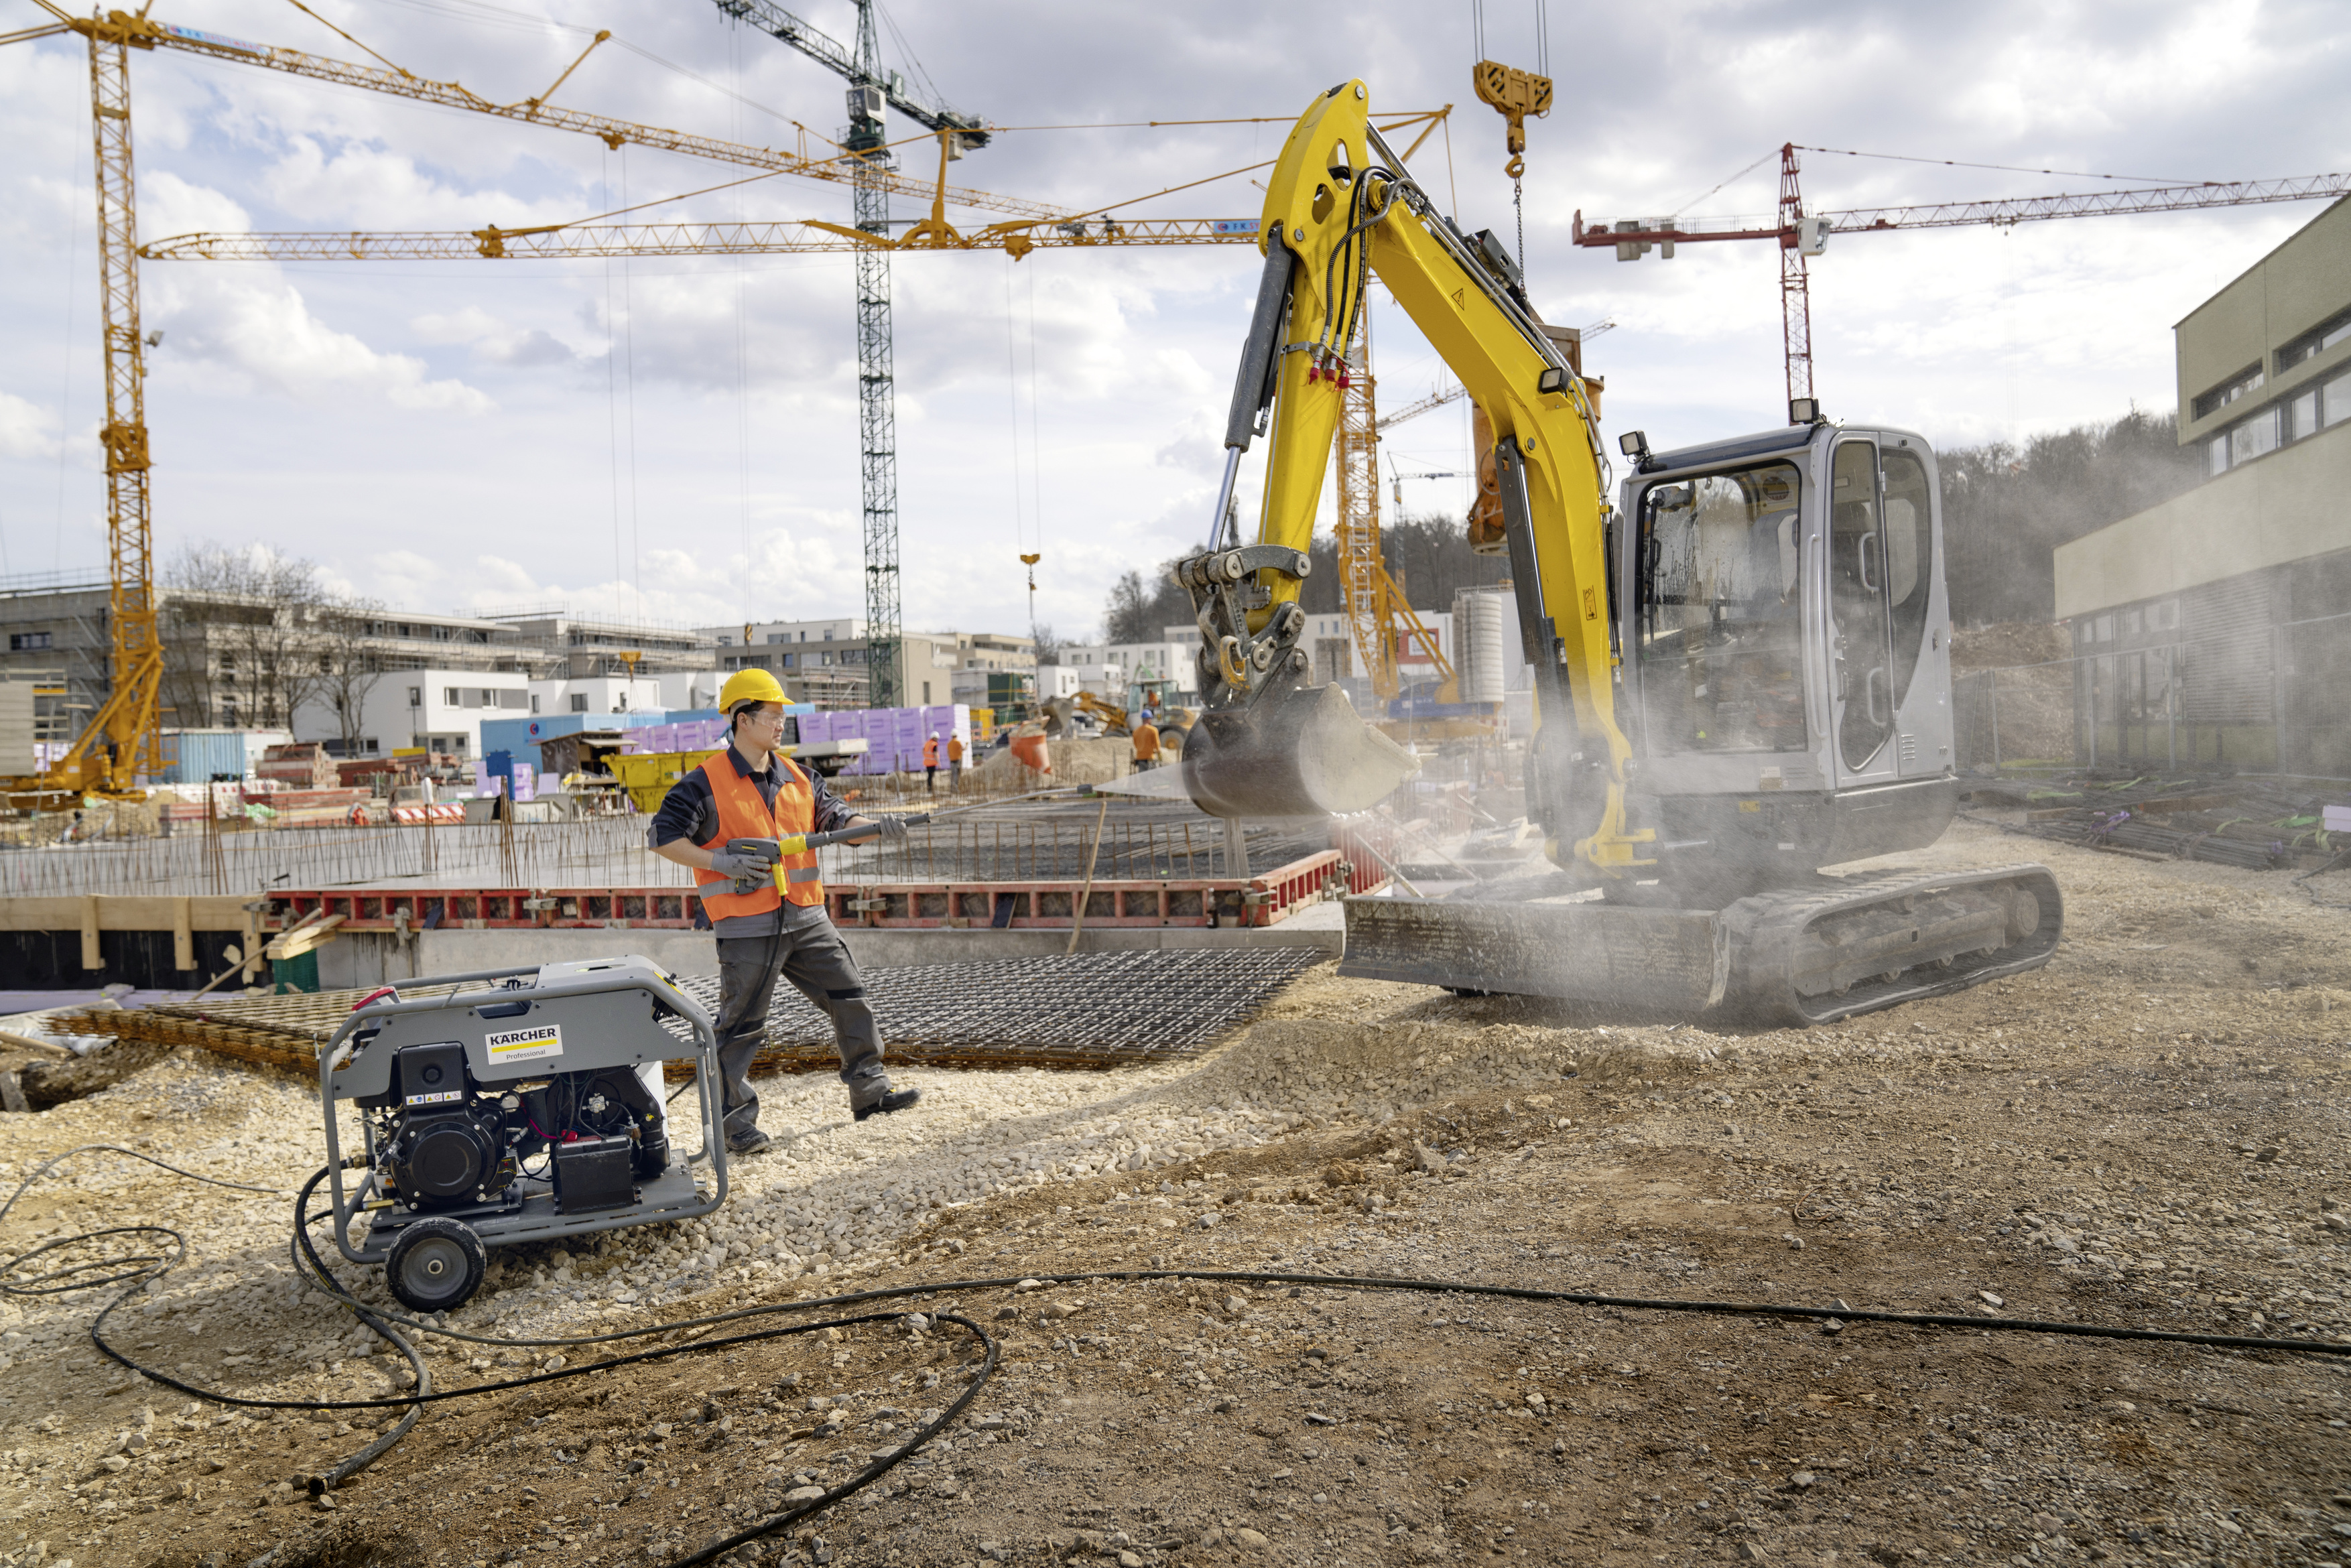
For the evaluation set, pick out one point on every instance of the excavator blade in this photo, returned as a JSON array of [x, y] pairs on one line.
[[1796, 957], [1302, 753]]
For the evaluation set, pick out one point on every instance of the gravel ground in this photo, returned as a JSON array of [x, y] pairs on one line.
[[2147, 1132]]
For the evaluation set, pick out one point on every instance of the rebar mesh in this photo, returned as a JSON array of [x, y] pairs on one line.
[[1085, 1010]]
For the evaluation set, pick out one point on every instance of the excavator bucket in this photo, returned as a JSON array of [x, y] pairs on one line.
[[1302, 753]]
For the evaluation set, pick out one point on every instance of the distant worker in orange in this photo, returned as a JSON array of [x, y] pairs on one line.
[[955, 763], [930, 763], [1146, 744]]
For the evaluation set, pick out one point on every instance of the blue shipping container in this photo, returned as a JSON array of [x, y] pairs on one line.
[[195, 756]]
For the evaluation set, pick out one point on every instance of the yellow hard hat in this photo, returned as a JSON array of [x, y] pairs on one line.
[[749, 686]]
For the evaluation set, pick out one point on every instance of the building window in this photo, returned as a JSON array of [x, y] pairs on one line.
[[580, 701], [2244, 382], [29, 642], [787, 661], [2335, 330], [2163, 617], [2300, 413], [534, 702], [2255, 437], [776, 637], [2335, 400], [416, 696], [449, 697]]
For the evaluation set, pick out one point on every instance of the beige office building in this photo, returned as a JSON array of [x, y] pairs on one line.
[[2216, 627]]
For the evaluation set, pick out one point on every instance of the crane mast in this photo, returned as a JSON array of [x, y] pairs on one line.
[[877, 417], [135, 650], [877, 395]]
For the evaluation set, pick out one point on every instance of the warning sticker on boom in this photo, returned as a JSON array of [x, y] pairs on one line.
[[525, 1044]]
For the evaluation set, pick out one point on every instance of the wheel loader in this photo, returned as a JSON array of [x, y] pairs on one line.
[[1741, 668]]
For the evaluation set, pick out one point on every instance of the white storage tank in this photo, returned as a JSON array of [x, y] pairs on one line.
[[1485, 652]]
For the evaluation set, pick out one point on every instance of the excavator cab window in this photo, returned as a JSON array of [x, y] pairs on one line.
[[1909, 559], [1719, 628], [1863, 684]]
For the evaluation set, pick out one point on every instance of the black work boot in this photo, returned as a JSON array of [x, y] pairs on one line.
[[896, 1099], [754, 1141]]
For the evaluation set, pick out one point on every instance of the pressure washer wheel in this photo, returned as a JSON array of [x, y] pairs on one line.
[[435, 1264]]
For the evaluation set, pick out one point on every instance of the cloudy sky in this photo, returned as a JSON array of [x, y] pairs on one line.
[[675, 440]]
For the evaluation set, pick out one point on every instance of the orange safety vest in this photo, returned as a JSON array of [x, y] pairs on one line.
[[1146, 743], [742, 814], [931, 752]]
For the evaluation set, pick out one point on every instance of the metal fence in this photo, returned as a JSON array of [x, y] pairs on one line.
[[2275, 699], [1046, 841]]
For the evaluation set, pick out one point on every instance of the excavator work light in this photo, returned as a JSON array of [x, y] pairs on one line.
[[1804, 410]]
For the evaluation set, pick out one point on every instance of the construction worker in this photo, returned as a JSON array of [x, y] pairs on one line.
[[1146, 744], [748, 791], [930, 763], [955, 763]]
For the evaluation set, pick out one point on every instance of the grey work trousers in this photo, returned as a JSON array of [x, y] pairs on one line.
[[809, 953]]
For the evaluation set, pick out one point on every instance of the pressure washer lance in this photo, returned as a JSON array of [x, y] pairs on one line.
[[771, 851]]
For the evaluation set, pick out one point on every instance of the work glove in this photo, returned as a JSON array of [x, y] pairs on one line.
[[894, 829], [745, 860]]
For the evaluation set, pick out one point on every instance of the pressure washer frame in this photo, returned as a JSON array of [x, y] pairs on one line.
[[591, 1008]]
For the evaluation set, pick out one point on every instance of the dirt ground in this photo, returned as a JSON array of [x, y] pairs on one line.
[[2147, 1132]]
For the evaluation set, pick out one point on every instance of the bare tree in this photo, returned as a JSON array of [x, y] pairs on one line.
[[244, 620], [348, 665]]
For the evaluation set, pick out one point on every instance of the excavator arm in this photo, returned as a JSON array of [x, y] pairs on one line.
[[1340, 210]]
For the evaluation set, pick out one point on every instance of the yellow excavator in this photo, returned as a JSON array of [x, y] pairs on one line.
[[1742, 671]]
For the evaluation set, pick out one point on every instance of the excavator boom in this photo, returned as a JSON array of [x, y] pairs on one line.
[[1339, 210], [1740, 672]]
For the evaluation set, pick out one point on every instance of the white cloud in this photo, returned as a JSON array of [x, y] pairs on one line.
[[27, 430], [413, 403], [170, 205], [260, 331]]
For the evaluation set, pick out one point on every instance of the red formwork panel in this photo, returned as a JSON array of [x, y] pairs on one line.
[[1262, 900]]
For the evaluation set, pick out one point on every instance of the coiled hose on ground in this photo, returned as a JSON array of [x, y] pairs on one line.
[[135, 1271]]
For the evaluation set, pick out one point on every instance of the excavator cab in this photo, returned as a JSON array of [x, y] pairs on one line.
[[1786, 645]]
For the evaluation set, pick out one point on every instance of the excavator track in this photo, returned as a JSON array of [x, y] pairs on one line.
[[1796, 957]]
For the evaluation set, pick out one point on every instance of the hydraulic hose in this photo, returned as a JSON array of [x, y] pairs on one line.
[[139, 1269]]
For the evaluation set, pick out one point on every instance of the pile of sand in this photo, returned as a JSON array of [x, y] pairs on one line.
[[1074, 761]]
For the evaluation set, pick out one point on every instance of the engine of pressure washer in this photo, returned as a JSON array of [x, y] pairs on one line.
[[448, 1142]]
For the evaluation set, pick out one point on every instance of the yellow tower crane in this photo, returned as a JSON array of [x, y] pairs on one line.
[[123, 739], [1380, 619]]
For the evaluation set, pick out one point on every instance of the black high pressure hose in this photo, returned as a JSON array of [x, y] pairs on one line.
[[139, 1269]]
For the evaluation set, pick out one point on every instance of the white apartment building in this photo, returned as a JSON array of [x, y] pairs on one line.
[[606, 694], [439, 709]]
